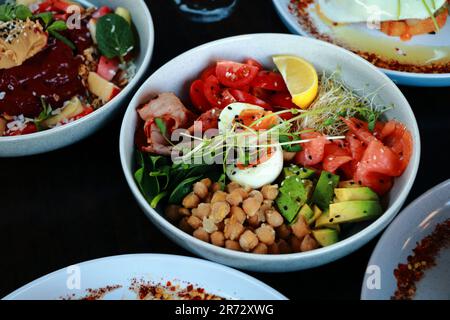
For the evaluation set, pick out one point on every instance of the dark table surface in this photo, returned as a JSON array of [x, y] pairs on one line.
[[74, 204]]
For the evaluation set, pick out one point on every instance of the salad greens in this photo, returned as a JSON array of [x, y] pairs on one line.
[[11, 12], [159, 179], [114, 36]]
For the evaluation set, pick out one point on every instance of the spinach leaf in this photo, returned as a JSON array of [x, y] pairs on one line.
[[182, 190], [290, 147], [149, 185], [114, 36]]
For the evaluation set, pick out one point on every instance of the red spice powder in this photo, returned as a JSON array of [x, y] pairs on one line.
[[423, 258]]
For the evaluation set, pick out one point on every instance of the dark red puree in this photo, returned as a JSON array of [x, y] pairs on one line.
[[52, 73]]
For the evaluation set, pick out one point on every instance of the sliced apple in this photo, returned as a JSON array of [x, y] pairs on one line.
[[102, 88], [71, 109], [124, 13], [92, 27], [107, 68]]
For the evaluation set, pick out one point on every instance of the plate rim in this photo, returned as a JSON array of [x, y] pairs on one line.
[[393, 225], [170, 257], [295, 28]]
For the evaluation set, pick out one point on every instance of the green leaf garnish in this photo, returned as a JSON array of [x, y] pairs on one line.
[[114, 36], [57, 26], [46, 17], [62, 39], [161, 126], [11, 12]]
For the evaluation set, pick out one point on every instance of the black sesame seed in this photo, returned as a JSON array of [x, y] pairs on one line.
[[331, 220], [329, 176], [285, 208], [310, 157], [230, 108], [337, 216]]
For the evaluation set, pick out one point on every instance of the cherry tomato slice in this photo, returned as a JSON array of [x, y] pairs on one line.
[[245, 97], [235, 75], [217, 97], [270, 81], [254, 63], [282, 100], [29, 128], [209, 71], [84, 113], [198, 98]]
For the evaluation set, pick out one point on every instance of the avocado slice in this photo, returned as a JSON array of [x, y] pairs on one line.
[[303, 173], [323, 220], [324, 192], [354, 211], [349, 184], [326, 237], [294, 193], [308, 213], [354, 194], [287, 206]]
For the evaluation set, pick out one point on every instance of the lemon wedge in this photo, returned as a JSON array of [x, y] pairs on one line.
[[300, 77]]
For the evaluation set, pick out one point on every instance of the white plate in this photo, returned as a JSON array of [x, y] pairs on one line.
[[413, 224], [360, 37], [121, 270]]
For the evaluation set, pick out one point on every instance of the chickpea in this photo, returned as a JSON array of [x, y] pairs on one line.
[[220, 210], [172, 213], [219, 196], [300, 228], [270, 192], [184, 225], [251, 206], [232, 245], [243, 192], [257, 195], [194, 222], [208, 198], [201, 190], [207, 182], [266, 234], [184, 212], [238, 214], [235, 198], [253, 221], [308, 243], [288, 156], [274, 218], [202, 211], [273, 249], [216, 186], [284, 247], [296, 244], [261, 248], [218, 239], [191, 201], [283, 231], [201, 234], [233, 230], [248, 240], [233, 186], [209, 225]]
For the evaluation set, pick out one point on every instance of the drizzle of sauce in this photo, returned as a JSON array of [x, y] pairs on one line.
[[51, 74]]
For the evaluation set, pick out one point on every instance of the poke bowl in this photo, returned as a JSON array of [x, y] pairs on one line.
[[307, 198], [67, 68]]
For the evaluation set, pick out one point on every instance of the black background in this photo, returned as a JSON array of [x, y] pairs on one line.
[[73, 205]]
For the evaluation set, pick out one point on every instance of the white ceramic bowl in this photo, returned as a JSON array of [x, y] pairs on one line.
[[356, 72], [62, 136]]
